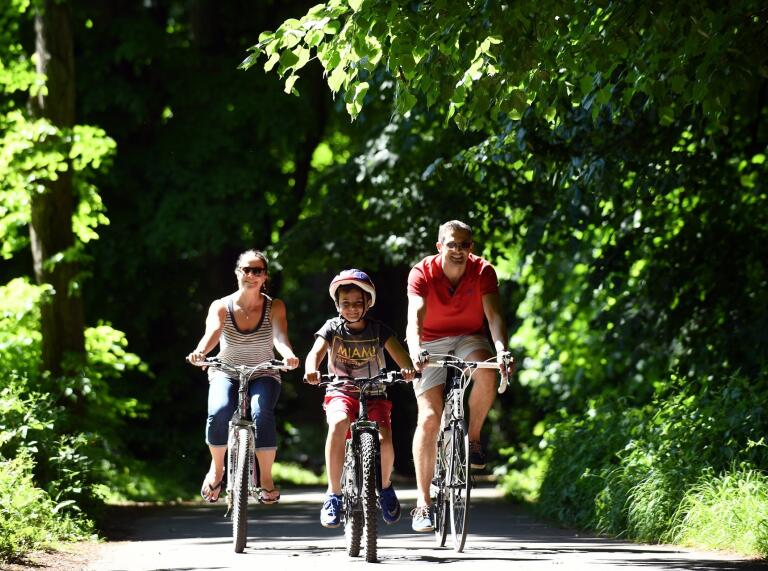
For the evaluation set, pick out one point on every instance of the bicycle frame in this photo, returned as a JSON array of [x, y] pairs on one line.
[[242, 467], [452, 479], [361, 474], [362, 424], [241, 419]]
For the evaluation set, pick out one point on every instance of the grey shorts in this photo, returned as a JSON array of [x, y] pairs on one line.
[[462, 346]]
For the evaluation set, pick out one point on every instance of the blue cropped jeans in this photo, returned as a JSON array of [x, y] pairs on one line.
[[222, 401]]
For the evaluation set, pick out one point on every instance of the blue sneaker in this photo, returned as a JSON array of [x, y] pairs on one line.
[[330, 515], [390, 506], [422, 519]]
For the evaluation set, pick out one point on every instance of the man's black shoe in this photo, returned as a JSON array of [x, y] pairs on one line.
[[476, 455]]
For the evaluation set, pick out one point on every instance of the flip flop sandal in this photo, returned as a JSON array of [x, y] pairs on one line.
[[267, 497], [207, 491]]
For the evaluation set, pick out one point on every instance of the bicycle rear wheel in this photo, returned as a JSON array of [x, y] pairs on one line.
[[352, 514], [459, 485], [439, 495], [368, 452], [240, 489]]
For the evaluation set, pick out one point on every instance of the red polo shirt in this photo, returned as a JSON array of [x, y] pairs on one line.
[[452, 312]]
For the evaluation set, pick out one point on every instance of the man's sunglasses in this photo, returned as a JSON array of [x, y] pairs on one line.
[[248, 270], [458, 245]]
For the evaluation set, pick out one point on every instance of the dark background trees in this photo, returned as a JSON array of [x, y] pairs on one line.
[[610, 156]]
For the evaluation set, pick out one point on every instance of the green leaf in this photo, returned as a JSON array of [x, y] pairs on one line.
[[302, 57], [405, 101], [287, 60], [586, 83], [332, 27], [667, 115], [291, 38], [271, 62], [289, 85], [337, 78], [314, 37]]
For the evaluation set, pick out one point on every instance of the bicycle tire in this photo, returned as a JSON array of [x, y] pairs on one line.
[[368, 494], [460, 483], [240, 491], [352, 512], [439, 496]]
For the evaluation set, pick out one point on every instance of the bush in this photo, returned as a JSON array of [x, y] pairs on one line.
[[29, 518], [649, 473]]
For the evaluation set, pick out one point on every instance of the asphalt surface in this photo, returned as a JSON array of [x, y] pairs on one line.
[[502, 536]]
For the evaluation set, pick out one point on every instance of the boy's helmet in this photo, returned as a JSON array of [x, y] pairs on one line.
[[353, 277]]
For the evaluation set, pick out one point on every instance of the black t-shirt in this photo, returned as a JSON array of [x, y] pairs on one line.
[[355, 353]]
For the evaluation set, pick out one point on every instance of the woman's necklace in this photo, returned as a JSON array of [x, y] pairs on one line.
[[245, 309]]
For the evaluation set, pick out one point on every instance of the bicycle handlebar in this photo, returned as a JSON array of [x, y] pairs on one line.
[[216, 363], [385, 377], [461, 364]]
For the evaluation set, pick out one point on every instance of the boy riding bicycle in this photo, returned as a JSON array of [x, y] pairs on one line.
[[354, 344]]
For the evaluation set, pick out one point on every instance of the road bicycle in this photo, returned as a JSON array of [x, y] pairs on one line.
[[452, 480], [242, 468], [361, 473]]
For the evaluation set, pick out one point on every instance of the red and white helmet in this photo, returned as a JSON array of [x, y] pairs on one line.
[[353, 277]]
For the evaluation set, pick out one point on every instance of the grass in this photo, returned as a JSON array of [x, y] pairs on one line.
[[729, 512]]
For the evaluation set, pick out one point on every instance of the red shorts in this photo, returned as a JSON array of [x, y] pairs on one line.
[[379, 410]]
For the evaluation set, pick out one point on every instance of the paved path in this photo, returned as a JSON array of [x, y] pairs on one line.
[[502, 536]]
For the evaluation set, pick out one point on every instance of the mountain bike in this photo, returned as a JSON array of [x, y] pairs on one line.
[[361, 473], [242, 468], [452, 481]]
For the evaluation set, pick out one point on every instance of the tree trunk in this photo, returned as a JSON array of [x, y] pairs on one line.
[[50, 231]]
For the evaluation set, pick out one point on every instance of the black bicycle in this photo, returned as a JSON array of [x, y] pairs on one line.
[[452, 481], [361, 473], [242, 468]]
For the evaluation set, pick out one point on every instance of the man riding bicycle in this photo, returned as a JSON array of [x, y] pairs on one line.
[[449, 297]]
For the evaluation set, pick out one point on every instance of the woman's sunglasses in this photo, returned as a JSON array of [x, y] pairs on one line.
[[248, 270]]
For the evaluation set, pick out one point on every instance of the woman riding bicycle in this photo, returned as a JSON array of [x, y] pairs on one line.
[[247, 325], [354, 344]]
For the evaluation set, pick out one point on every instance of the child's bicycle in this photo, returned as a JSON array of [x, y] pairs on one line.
[[242, 468], [361, 474], [452, 479]]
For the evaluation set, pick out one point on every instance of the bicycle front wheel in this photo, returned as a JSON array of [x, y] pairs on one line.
[[240, 489], [439, 481], [352, 514], [459, 485], [368, 452]]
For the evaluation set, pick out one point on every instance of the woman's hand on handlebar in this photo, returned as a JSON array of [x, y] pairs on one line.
[[291, 362], [196, 357]]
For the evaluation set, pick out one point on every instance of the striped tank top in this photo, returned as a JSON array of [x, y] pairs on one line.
[[248, 347]]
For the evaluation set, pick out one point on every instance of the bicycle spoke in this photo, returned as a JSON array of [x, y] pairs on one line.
[[439, 490], [459, 486], [368, 493], [352, 514], [240, 490]]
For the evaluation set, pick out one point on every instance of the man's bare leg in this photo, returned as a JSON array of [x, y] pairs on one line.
[[430, 405]]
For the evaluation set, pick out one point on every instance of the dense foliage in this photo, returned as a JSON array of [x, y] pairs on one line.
[[621, 152], [610, 156]]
